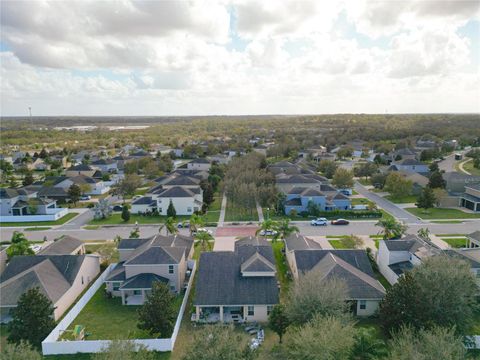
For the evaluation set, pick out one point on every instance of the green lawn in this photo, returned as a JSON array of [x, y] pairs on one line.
[[107, 249], [217, 203], [282, 266], [459, 242], [37, 228], [212, 216], [108, 319], [361, 201], [60, 221], [468, 166], [337, 244], [447, 221], [234, 213], [116, 219], [402, 200], [364, 182], [441, 213]]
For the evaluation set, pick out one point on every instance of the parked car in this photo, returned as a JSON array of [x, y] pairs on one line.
[[85, 197], [268, 233], [319, 222], [182, 225], [210, 232], [340, 222], [117, 208], [35, 248]]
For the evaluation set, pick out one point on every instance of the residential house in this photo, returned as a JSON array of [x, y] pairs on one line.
[[237, 286], [470, 199], [25, 205], [473, 240], [90, 185], [105, 165], [285, 183], [165, 259], [61, 278], [456, 181], [299, 197], [403, 154], [65, 245], [186, 200], [81, 169], [352, 266], [409, 165], [199, 164]]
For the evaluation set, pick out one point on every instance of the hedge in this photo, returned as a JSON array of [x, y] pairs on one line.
[[350, 214]]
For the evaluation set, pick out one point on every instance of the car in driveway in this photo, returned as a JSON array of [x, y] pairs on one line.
[[203, 230], [85, 197], [340, 222], [319, 222], [117, 208], [183, 225]]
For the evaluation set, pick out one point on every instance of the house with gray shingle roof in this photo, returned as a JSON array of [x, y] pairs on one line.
[[351, 266], [61, 278], [66, 245], [237, 286], [144, 261], [298, 199]]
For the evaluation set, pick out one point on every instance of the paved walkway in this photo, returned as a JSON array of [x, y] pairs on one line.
[[387, 205], [460, 166], [260, 213], [439, 242], [223, 209]]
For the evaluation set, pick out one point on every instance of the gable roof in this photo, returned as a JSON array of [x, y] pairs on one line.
[[176, 192], [257, 263], [296, 241], [142, 281], [200, 161], [182, 180], [63, 246], [80, 167]]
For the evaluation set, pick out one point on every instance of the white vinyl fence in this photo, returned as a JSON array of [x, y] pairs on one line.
[[52, 346]]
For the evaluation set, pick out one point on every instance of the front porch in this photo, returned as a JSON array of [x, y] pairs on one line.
[[214, 314]]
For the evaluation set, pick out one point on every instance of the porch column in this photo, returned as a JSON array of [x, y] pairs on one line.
[[143, 295], [123, 297], [221, 313], [197, 312]]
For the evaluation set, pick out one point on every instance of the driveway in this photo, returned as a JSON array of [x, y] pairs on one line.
[[85, 216], [388, 206]]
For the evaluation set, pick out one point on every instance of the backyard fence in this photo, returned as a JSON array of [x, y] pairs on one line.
[[52, 346]]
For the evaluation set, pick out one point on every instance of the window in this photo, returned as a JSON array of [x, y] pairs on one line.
[[251, 311], [269, 309], [170, 269], [82, 280], [363, 304], [189, 209], [137, 292], [116, 285]]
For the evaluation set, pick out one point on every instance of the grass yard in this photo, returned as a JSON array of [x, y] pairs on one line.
[[116, 219], [217, 203], [212, 216], [109, 249], [60, 221], [447, 221], [468, 166], [108, 319], [402, 200], [282, 266], [234, 213], [441, 213], [337, 244], [450, 235], [459, 242], [37, 228]]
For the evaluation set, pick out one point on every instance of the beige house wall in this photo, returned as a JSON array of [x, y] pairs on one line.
[[87, 273]]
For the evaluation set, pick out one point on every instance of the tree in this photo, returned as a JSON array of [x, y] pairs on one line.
[[391, 228], [208, 194], [124, 350], [310, 295], [129, 184], [135, 233], [436, 343], [74, 193], [397, 185], [266, 226], [158, 314], [85, 188], [343, 178], [32, 319], [439, 194], [196, 222], [345, 152], [151, 170], [426, 199], [217, 342], [327, 168], [19, 246], [365, 170], [278, 320], [21, 351], [204, 238], [171, 212], [424, 233], [433, 167], [28, 179], [367, 345], [439, 292], [284, 229], [169, 226], [102, 209], [313, 209], [125, 213], [352, 242], [378, 180], [436, 180], [323, 338]]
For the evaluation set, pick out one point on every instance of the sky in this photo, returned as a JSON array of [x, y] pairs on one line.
[[239, 57]]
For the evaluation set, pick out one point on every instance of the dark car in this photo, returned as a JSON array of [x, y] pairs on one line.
[[117, 208], [340, 222]]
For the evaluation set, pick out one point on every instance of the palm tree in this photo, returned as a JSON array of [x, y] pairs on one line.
[[424, 233], [266, 225], [284, 229], [196, 222], [368, 346], [204, 237], [391, 228], [169, 226]]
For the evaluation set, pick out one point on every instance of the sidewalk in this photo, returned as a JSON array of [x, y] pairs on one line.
[[223, 209]]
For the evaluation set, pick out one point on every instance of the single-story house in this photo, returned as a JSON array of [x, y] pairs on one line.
[[105, 165], [237, 286], [61, 278], [81, 169]]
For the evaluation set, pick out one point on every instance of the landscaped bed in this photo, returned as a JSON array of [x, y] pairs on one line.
[[107, 319], [116, 219], [60, 221], [441, 213]]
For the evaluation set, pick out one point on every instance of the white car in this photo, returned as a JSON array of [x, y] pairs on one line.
[[209, 232], [268, 233], [35, 248], [85, 197], [319, 222]]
